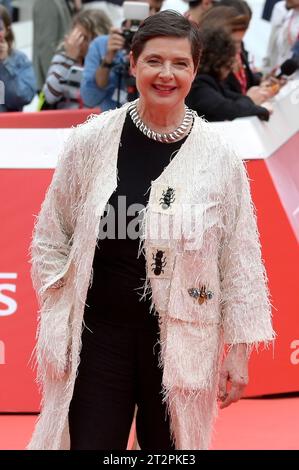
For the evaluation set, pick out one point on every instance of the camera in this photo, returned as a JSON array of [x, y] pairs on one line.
[[128, 36], [134, 14]]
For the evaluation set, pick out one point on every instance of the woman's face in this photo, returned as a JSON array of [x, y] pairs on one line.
[[238, 37], [164, 71]]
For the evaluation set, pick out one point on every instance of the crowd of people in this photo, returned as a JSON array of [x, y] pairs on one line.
[[81, 57]]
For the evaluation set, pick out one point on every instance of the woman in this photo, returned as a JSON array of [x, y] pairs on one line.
[[235, 20], [209, 95], [242, 78], [16, 71], [62, 87], [199, 265]]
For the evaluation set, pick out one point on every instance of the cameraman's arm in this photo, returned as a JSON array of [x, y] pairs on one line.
[[115, 43]]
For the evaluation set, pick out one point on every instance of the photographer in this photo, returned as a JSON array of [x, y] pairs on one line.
[[100, 78], [106, 75]]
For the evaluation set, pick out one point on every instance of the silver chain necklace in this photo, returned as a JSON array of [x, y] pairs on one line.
[[164, 138]]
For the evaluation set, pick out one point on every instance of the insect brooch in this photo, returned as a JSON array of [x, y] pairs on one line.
[[159, 262], [168, 197], [201, 295]]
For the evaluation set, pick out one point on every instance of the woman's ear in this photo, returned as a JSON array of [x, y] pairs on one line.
[[132, 64]]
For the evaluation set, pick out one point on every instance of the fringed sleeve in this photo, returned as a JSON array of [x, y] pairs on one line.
[[246, 309], [53, 232]]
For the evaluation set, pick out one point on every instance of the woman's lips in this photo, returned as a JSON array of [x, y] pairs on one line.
[[164, 90]]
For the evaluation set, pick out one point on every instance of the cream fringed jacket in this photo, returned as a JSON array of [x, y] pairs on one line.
[[204, 271]]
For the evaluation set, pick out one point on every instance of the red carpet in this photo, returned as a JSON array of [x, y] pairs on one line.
[[259, 424], [249, 424]]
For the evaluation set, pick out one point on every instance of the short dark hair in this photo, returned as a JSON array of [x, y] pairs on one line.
[[218, 50], [168, 23]]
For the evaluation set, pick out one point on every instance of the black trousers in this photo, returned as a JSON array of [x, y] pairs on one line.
[[118, 370]]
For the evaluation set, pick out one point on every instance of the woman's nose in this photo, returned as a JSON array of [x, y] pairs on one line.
[[166, 71]]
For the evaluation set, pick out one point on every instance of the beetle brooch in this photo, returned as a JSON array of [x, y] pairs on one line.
[[168, 197], [159, 262]]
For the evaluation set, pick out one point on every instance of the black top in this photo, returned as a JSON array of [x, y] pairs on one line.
[[213, 100], [117, 271]]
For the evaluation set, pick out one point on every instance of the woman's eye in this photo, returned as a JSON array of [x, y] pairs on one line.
[[153, 61], [181, 64]]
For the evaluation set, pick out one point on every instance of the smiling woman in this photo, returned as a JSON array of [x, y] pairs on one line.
[[103, 348]]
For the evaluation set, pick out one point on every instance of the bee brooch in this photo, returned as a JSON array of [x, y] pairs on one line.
[[200, 294]]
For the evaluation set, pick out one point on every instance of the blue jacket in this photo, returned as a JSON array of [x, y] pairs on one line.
[[92, 94], [17, 82]]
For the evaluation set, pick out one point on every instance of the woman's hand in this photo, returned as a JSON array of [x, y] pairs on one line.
[[234, 369], [273, 85], [3, 49], [73, 43], [259, 94], [268, 106]]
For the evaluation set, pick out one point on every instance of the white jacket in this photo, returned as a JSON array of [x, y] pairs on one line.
[[208, 237]]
